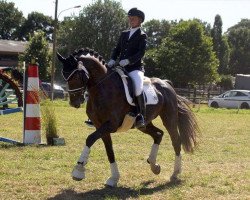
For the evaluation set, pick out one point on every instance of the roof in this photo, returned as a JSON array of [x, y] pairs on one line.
[[12, 46]]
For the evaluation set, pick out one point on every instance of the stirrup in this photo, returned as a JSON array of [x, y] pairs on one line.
[[140, 122], [89, 123]]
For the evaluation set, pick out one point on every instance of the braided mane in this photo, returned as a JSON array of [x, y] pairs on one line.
[[91, 52]]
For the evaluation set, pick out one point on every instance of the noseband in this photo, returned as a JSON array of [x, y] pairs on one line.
[[68, 75]]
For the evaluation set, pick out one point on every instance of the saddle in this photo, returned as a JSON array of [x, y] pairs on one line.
[[151, 97]]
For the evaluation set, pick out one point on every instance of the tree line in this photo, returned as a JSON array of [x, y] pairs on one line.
[[186, 51]]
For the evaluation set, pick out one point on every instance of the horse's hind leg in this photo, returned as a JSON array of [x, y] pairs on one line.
[[156, 134], [115, 175], [170, 122]]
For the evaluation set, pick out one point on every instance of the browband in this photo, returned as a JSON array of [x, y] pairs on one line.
[[80, 66]]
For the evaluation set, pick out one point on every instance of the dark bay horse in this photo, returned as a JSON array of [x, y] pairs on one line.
[[107, 107]]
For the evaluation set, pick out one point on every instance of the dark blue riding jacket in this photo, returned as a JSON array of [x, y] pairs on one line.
[[132, 48]]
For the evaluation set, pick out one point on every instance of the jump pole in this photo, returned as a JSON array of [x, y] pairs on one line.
[[10, 111]]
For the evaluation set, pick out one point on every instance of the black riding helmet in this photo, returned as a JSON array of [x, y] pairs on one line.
[[136, 12]]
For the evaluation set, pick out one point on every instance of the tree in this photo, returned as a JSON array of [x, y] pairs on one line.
[[220, 46], [64, 38], [10, 19], [38, 49], [156, 30], [239, 40], [98, 27], [186, 56], [35, 21], [244, 23], [206, 27], [151, 67]]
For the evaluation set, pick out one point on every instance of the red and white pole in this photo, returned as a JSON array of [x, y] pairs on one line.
[[32, 114]]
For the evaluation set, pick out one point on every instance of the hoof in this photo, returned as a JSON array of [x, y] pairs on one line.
[[78, 173], [111, 182], [156, 168], [175, 179], [76, 179]]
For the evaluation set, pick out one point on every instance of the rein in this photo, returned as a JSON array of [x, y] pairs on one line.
[[102, 80]]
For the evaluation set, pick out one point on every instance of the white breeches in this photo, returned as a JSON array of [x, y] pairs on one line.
[[137, 77]]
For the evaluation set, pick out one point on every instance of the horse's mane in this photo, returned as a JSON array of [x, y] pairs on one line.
[[91, 52]]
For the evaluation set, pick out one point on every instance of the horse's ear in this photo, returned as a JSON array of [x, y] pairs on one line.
[[61, 58]]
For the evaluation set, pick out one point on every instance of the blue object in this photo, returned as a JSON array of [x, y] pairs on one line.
[[8, 140], [11, 110]]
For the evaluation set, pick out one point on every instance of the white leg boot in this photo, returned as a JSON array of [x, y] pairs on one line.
[[115, 175], [78, 172], [177, 168], [156, 168]]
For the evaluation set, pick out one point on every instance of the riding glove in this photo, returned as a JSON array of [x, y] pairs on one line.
[[111, 63], [124, 62]]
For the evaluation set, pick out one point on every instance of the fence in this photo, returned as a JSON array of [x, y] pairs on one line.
[[199, 94]]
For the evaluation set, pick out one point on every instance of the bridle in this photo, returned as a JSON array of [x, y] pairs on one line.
[[81, 68], [68, 75]]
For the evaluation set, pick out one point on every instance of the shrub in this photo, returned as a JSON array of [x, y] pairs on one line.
[[226, 82], [49, 121]]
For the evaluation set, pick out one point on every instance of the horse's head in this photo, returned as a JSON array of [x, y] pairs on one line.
[[76, 76]]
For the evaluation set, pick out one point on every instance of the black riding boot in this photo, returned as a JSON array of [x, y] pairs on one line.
[[140, 119]]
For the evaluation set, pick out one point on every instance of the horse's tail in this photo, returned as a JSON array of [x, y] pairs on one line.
[[187, 125]]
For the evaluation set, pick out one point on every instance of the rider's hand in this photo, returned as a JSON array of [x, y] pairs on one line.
[[111, 63], [124, 62]]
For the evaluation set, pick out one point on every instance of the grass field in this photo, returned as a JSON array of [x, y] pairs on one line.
[[219, 168]]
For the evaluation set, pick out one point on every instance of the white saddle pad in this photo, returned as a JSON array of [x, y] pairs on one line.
[[148, 89]]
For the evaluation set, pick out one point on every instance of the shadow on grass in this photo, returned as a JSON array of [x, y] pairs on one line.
[[115, 193], [9, 146], [18, 145]]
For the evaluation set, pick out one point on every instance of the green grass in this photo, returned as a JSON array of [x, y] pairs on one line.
[[219, 168]]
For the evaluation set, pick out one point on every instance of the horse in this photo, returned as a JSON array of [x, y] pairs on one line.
[[107, 107]]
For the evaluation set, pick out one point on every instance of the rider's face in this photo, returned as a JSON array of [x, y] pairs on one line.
[[134, 21]]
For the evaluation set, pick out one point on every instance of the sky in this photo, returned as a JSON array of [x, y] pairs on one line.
[[231, 11]]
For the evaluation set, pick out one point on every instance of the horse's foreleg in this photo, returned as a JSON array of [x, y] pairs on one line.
[[78, 172], [115, 175], [156, 134]]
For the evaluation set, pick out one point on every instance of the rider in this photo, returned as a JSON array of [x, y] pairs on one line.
[[130, 50]]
